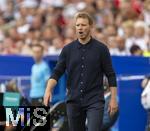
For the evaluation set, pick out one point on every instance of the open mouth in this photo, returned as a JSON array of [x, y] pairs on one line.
[[80, 33]]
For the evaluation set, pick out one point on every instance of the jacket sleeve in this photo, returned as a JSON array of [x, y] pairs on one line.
[[107, 67], [60, 66]]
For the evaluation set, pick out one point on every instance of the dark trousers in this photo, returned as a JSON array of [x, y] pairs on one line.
[[77, 116]]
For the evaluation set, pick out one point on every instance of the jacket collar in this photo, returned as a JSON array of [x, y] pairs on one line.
[[87, 45]]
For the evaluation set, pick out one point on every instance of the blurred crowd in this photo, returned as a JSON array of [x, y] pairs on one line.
[[123, 25]]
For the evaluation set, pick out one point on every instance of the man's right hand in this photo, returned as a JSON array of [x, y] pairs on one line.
[[48, 92], [47, 97]]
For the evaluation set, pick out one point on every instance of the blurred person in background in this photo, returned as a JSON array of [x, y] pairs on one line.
[[49, 33], [45, 45], [101, 37], [67, 40], [128, 32], [146, 53], [145, 99], [112, 45], [140, 36], [104, 13], [110, 30], [70, 33], [39, 75], [128, 29], [56, 47], [135, 50], [85, 78], [126, 10], [146, 12], [120, 41]]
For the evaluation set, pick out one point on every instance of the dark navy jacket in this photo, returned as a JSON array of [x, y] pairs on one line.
[[85, 66]]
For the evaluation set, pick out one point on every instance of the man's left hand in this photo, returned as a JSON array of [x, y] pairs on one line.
[[113, 106]]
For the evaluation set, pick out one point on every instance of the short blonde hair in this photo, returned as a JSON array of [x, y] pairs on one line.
[[128, 24], [84, 15]]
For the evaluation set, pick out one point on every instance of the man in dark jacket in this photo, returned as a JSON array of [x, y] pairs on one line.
[[85, 60]]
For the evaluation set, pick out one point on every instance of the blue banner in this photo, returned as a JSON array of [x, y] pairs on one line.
[[130, 71]]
